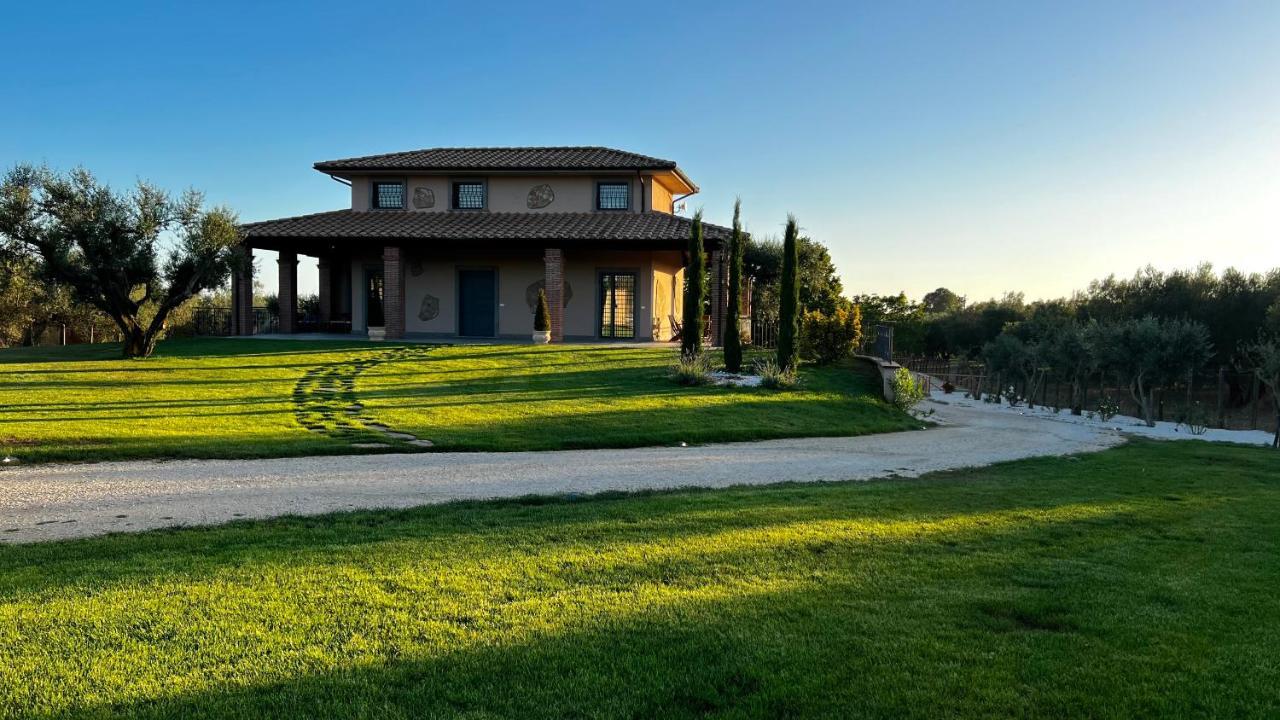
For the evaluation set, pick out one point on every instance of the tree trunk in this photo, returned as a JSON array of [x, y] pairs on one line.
[[1145, 397], [139, 343], [1077, 407], [1275, 399]]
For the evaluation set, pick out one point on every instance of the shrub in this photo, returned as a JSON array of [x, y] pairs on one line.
[[692, 370], [542, 315], [907, 391], [774, 377], [1012, 397], [1108, 408], [829, 338], [1196, 418]]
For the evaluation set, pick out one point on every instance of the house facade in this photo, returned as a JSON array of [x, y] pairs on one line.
[[457, 242]]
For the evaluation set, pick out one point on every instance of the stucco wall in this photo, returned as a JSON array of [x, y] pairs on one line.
[[437, 276], [438, 280], [668, 293], [510, 193]]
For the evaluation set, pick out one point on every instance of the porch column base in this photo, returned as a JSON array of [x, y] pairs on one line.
[[553, 268], [393, 292]]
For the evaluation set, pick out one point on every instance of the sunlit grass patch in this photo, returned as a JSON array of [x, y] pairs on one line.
[[1135, 582], [239, 398]]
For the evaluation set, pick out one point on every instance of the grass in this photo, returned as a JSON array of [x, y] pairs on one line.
[[1135, 582], [238, 399], [544, 398]]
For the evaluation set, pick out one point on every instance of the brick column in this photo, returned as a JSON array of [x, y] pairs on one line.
[[288, 295], [553, 267], [242, 294], [325, 292], [719, 300], [393, 291]]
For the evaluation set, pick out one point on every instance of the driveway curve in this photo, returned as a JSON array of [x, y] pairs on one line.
[[66, 501]]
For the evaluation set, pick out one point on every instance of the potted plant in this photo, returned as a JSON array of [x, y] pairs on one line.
[[542, 320]]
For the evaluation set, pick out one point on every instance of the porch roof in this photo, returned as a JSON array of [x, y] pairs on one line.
[[647, 228]]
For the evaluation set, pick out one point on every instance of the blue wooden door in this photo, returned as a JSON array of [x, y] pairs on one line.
[[477, 303]]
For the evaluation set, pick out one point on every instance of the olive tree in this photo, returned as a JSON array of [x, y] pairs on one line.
[[1262, 357], [135, 257], [1066, 349], [1149, 354], [1010, 355]]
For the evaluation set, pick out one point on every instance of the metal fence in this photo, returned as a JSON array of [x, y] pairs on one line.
[[1231, 399], [764, 333], [216, 322]]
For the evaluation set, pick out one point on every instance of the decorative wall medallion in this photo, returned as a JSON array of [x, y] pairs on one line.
[[430, 308], [415, 268], [531, 293], [540, 196], [424, 198]]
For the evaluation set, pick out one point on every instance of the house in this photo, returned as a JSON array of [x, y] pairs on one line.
[[456, 242]]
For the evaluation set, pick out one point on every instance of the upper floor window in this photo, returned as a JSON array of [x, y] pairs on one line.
[[388, 195], [613, 196], [468, 195]]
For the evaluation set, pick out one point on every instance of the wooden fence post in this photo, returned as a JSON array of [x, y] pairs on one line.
[[1222, 396], [1255, 396]]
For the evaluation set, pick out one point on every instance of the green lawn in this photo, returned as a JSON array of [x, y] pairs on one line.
[[258, 398], [1141, 581]]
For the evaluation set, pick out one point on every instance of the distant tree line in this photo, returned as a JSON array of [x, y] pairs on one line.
[[1232, 306]]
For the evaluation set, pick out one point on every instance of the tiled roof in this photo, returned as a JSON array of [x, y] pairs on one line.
[[502, 159], [409, 225]]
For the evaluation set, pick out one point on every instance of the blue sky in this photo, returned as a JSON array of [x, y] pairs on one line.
[[984, 146]]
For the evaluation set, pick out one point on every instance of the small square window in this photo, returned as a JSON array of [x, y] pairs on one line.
[[468, 196], [613, 196], [388, 195]]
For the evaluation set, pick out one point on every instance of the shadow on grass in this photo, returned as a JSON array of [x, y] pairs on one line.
[[182, 348], [651, 606], [974, 502], [687, 661], [496, 407]]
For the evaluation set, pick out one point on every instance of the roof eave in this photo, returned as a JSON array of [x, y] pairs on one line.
[[366, 170]]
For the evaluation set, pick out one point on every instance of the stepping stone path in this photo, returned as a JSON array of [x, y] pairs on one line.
[[324, 402]]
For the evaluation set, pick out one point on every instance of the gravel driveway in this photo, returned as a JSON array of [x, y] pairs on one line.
[[65, 501]]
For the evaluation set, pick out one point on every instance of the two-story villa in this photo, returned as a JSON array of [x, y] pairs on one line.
[[456, 242]]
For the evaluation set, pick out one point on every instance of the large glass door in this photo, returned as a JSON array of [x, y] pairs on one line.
[[618, 305]]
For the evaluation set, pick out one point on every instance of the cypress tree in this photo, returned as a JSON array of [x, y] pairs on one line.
[[542, 315], [788, 316], [695, 292], [732, 333]]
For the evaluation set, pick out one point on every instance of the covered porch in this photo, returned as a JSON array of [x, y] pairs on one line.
[[619, 289]]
